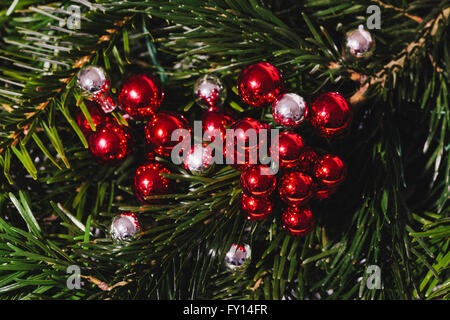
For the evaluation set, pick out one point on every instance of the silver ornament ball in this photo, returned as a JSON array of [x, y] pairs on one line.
[[92, 80], [209, 91], [199, 160], [359, 43], [94, 85], [238, 257], [124, 227], [289, 110]]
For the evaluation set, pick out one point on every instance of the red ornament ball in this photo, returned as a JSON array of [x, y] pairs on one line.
[[256, 209], [141, 95], [298, 221], [97, 116], [290, 147], [241, 160], [241, 149], [307, 160], [111, 143], [148, 181], [247, 134], [330, 115], [296, 188], [158, 132], [259, 84], [329, 170], [256, 184], [215, 121]]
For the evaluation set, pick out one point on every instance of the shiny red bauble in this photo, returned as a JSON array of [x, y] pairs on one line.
[[329, 170], [256, 209], [241, 148], [307, 160], [97, 116], [141, 95], [158, 132], [290, 148], [215, 121], [148, 181], [259, 84], [248, 135], [111, 143], [256, 184], [330, 115], [296, 188], [297, 220], [241, 160]]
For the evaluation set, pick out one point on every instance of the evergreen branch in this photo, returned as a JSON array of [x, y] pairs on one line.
[[395, 66], [391, 212]]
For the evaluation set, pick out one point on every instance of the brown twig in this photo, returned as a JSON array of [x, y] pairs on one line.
[[103, 285], [402, 11], [257, 284]]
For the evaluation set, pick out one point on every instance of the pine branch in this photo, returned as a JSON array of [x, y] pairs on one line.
[[391, 212]]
